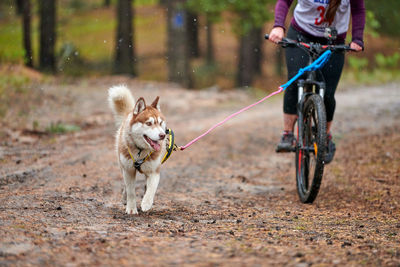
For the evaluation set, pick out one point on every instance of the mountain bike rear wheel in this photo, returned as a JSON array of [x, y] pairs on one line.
[[311, 148]]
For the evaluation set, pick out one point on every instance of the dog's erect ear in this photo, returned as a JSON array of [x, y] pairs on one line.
[[155, 103], [140, 106]]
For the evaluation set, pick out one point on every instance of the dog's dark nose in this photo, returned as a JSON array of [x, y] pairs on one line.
[[162, 136]]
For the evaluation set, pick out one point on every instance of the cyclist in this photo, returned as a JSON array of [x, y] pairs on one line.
[[310, 19]]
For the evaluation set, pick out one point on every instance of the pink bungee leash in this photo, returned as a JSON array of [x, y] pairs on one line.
[[230, 117]]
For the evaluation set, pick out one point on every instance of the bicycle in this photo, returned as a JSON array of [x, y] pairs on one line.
[[311, 139]]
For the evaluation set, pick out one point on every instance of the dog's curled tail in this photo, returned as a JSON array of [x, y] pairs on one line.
[[121, 102]]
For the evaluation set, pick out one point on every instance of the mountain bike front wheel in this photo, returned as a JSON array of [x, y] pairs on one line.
[[311, 148]]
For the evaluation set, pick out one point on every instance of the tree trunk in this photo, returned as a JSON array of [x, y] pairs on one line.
[[178, 51], [258, 53], [210, 43], [125, 60], [107, 3], [249, 57], [26, 21], [193, 34], [47, 60], [19, 6]]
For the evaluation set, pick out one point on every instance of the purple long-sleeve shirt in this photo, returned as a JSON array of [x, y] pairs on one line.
[[309, 17]]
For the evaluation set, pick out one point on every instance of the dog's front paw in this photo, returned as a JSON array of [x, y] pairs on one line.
[[146, 204], [131, 210]]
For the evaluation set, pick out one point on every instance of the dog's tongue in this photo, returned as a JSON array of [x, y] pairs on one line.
[[154, 145]]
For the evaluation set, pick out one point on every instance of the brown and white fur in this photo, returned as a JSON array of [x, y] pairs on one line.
[[142, 129]]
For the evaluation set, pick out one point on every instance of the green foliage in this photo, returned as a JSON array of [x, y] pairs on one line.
[[246, 14], [387, 14], [12, 87], [35, 125], [357, 64], [373, 77], [17, 83], [205, 75], [69, 60], [60, 128], [249, 14], [386, 71], [11, 42], [371, 24], [212, 9], [145, 2], [78, 5], [390, 62]]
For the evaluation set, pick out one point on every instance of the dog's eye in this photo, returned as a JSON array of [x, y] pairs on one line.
[[148, 123]]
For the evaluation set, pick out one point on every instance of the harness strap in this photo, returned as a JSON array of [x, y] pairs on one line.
[[171, 145], [138, 163]]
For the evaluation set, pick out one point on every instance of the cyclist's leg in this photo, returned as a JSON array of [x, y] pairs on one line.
[[295, 59], [332, 72], [328, 126], [288, 122]]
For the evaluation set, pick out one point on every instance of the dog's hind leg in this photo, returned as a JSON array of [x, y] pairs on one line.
[[152, 181], [130, 185]]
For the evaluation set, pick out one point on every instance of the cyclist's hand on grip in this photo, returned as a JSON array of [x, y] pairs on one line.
[[276, 34], [355, 47]]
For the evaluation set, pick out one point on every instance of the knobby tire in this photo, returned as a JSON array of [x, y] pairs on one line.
[[310, 167]]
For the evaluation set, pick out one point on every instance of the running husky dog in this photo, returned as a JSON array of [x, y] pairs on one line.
[[140, 143]]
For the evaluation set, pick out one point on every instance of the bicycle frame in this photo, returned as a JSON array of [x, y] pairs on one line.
[[306, 87], [310, 147]]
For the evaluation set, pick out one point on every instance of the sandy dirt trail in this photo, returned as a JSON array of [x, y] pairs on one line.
[[228, 199]]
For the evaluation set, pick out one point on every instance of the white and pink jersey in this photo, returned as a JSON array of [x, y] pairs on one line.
[[310, 14]]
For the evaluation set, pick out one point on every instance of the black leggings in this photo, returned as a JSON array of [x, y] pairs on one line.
[[297, 58]]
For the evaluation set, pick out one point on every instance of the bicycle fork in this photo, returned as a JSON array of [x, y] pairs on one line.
[[311, 86]]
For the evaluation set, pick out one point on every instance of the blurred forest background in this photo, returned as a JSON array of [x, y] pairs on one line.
[[196, 43]]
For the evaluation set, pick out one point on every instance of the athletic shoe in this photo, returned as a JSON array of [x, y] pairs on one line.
[[330, 149], [287, 143]]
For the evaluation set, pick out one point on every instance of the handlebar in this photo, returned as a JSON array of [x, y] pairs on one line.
[[312, 46]]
